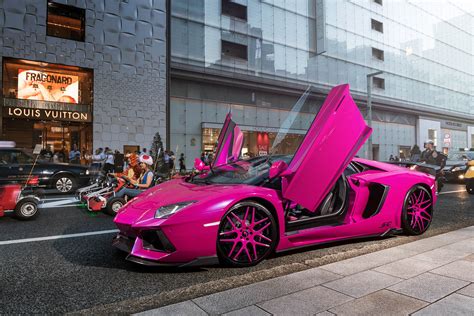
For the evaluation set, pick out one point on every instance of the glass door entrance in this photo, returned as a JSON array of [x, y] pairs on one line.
[[61, 137]]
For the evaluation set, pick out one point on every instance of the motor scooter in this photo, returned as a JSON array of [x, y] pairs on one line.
[[469, 177]]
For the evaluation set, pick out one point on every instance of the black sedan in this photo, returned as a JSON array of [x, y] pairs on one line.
[[16, 166], [456, 165]]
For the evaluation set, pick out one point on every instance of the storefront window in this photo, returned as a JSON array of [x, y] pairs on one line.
[[66, 21], [31, 80], [48, 105], [255, 143]]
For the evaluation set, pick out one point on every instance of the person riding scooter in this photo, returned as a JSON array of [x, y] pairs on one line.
[[432, 157], [144, 182]]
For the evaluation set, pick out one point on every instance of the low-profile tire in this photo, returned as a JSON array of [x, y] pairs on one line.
[[417, 212], [470, 186], [247, 234], [26, 209], [64, 184], [114, 205]]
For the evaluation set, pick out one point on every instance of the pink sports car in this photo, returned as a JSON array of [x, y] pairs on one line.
[[241, 211]]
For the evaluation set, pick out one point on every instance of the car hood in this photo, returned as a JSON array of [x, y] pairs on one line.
[[143, 207]]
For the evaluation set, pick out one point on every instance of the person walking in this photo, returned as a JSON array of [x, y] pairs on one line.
[[182, 165]]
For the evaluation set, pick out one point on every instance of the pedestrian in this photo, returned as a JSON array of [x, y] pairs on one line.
[[391, 158], [97, 160], [415, 153], [144, 152], [171, 161], [109, 161], [118, 161], [182, 165], [75, 155]]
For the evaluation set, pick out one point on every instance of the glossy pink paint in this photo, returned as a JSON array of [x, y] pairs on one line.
[[322, 157]]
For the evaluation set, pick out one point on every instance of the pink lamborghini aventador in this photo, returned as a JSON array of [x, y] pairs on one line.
[[242, 210]]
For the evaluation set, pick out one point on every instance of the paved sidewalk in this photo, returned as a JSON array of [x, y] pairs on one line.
[[431, 276]]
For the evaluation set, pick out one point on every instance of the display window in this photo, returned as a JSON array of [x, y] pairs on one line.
[[47, 104]]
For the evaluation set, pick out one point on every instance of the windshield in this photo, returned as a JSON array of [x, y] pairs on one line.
[[458, 156], [252, 171]]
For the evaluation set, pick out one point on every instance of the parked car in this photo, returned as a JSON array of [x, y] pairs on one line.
[[456, 165], [241, 211], [16, 165]]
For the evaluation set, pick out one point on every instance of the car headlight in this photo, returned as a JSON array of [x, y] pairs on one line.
[[457, 169], [168, 210], [87, 172]]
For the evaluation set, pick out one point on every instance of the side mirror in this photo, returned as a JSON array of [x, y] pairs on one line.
[[277, 168], [199, 165]]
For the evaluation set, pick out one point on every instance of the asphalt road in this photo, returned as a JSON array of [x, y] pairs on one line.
[[85, 274]]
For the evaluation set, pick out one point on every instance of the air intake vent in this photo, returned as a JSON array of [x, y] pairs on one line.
[[377, 193]]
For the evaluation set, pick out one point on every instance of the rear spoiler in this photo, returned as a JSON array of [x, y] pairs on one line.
[[418, 166]]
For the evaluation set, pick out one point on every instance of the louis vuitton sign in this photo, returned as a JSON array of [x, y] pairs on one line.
[[46, 114]]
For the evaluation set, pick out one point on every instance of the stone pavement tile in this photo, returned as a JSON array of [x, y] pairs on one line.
[[468, 290], [428, 286], [380, 303], [368, 261], [469, 258], [249, 310], [440, 255], [183, 308], [454, 304], [237, 298], [466, 245], [306, 302], [407, 268], [325, 313], [434, 242], [461, 269], [363, 283]]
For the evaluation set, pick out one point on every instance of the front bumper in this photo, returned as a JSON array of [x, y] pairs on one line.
[[126, 244]]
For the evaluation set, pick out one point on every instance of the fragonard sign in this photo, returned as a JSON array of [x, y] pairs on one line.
[[47, 86], [43, 114]]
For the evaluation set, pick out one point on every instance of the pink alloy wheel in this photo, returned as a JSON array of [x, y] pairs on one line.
[[419, 210], [246, 234]]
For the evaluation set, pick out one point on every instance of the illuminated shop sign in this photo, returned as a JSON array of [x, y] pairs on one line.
[[47, 86], [44, 114]]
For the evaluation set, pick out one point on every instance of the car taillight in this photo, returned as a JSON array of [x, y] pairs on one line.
[[33, 181]]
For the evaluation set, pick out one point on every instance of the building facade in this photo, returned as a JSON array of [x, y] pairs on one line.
[[83, 73], [255, 58]]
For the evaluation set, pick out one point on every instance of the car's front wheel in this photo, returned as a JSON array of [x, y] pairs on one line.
[[64, 183], [417, 210], [247, 234]]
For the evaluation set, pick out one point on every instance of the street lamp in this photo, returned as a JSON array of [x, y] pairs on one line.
[[369, 108]]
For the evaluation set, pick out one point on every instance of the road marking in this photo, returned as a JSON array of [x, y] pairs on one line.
[[447, 192], [21, 241]]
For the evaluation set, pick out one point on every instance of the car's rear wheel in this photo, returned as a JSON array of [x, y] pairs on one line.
[[247, 234], [114, 205], [417, 211], [64, 183], [470, 186], [26, 209]]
